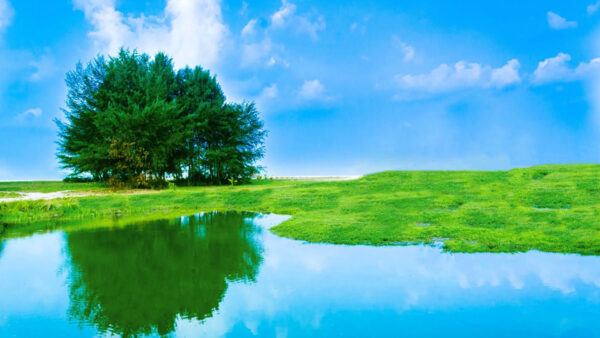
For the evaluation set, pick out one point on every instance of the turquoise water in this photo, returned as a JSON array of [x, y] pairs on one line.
[[225, 274]]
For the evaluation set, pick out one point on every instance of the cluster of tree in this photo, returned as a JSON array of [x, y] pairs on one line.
[[134, 120]]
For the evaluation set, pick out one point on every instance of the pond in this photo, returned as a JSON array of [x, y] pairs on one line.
[[225, 274]]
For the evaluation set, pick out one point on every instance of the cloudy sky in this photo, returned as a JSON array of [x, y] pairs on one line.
[[343, 89]]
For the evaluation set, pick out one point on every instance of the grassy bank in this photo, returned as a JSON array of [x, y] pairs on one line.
[[48, 186], [549, 208]]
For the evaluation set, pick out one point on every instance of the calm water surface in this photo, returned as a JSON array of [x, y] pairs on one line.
[[225, 274]]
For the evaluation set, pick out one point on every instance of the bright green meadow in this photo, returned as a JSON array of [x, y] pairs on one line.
[[553, 208]]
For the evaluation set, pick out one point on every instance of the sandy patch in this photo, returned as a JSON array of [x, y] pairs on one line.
[[32, 196]]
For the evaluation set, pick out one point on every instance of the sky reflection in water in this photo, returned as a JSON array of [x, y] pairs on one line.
[[224, 274]]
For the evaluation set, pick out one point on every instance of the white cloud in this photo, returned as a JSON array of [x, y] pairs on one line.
[[287, 9], [506, 75], [277, 60], [312, 28], [44, 66], [311, 90], [444, 77], [259, 49], [250, 28], [593, 87], [190, 31], [285, 17], [360, 28], [253, 53], [588, 69], [264, 53], [244, 8], [462, 75], [110, 31], [361, 25], [266, 100], [556, 21], [553, 69], [408, 51], [557, 69], [269, 92], [6, 14], [34, 112], [592, 8]]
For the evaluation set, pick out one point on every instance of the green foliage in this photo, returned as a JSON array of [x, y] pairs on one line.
[[539, 174], [77, 179], [132, 120], [8, 194]]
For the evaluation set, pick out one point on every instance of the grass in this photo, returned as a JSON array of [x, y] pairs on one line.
[[550, 208], [8, 194], [48, 186]]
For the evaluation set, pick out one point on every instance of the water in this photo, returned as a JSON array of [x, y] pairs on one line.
[[227, 275]]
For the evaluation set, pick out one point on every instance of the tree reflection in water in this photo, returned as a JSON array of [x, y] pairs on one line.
[[140, 279]]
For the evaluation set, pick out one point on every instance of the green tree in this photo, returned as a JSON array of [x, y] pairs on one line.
[[134, 120], [234, 139], [139, 108], [79, 139], [200, 98]]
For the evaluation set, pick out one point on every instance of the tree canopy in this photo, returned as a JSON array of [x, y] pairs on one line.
[[135, 120]]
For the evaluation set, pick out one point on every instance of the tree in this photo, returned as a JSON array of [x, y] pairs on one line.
[[79, 137], [200, 97], [135, 120], [234, 140]]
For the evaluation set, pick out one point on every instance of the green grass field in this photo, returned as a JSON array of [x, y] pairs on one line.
[[8, 194], [550, 208], [48, 186]]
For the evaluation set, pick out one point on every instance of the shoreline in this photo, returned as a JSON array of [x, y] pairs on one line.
[[550, 208]]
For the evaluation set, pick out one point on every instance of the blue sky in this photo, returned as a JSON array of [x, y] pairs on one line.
[[344, 89]]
